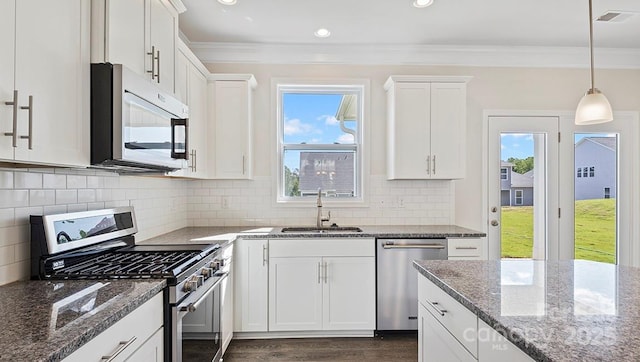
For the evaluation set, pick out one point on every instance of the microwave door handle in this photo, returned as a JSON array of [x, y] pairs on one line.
[[175, 122]]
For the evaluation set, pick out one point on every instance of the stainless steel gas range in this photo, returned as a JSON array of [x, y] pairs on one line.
[[100, 244]]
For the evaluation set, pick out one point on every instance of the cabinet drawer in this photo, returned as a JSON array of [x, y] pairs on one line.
[[465, 246], [456, 318], [138, 326], [283, 248]]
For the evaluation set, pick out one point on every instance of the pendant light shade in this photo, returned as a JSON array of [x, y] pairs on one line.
[[594, 107]]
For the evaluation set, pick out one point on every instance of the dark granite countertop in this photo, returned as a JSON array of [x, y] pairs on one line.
[[48, 320], [196, 235], [571, 310]]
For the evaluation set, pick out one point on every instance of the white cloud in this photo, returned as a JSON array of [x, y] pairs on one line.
[[345, 138], [329, 120], [295, 126]]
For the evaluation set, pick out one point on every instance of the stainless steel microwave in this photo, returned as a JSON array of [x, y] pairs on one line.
[[135, 126]]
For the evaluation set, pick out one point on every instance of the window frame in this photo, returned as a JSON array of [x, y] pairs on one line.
[[515, 197], [579, 174], [329, 86], [505, 174]]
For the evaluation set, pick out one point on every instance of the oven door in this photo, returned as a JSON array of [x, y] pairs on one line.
[[196, 324]]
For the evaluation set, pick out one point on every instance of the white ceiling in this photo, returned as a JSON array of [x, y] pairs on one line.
[[396, 23]]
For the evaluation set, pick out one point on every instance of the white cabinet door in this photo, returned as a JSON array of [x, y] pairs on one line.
[[295, 294], [227, 309], [151, 351], [182, 78], [409, 135], [435, 343], [125, 35], [349, 293], [198, 154], [448, 131], [232, 115], [52, 66], [251, 285], [7, 46], [163, 34], [493, 347]]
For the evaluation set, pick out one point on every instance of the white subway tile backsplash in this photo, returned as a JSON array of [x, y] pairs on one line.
[[23, 213], [27, 180], [87, 195], [54, 209], [14, 198], [6, 179], [66, 196], [54, 181], [42, 197], [76, 182]]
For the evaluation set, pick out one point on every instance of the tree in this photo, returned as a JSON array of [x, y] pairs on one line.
[[291, 182], [521, 166]]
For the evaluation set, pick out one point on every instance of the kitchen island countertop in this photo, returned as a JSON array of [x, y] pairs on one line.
[[48, 320], [572, 310]]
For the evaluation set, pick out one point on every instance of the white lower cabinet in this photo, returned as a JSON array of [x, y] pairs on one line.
[[137, 337], [227, 312], [251, 285], [321, 285], [435, 343], [448, 331], [467, 249]]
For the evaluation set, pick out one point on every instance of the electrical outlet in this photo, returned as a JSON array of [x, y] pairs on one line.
[[225, 202]]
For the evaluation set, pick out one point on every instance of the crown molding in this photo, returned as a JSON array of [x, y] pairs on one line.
[[492, 56]]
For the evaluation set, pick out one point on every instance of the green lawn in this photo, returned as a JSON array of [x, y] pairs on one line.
[[595, 230]]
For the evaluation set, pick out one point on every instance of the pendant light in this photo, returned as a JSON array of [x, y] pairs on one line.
[[594, 107]]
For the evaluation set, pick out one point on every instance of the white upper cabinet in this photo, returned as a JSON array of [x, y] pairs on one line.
[[140, 34], [192, 88], [231, 125], [44, 51], [426, 118]]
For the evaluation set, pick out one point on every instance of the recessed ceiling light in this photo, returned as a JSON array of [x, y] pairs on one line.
[[322, 33], [227, 2], [422, 3]]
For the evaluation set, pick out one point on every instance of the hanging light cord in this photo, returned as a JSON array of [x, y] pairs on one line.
[[591, 45]]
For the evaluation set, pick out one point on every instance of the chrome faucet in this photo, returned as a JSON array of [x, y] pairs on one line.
[[319, 218]]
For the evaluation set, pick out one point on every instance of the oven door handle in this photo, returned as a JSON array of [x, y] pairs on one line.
[[192, 307]]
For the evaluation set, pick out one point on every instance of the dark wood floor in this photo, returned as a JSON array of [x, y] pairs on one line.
[[403, 347]]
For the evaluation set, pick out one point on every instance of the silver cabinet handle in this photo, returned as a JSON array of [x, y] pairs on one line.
[[121, 347], [326, 267], [413, 246], [153, 63], [195, 161], [30, 109], [466, 247], [440, 311], [14, 133], [264, 254], [319, 272], [243, 164], [428, 165], [158, 66], [434, 164]]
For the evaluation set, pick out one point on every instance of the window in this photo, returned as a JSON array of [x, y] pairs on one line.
[[592, 171], [519, 197], [503, 174], [320, 141], [579, 172], [607, 192], [585, 171]]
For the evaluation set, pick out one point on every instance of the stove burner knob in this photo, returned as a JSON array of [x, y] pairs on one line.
[[206, 272], [215, 265], [193, 283]]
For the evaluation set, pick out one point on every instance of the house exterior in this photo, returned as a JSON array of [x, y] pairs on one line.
[[595, 168], [333, 172], [515, 189]]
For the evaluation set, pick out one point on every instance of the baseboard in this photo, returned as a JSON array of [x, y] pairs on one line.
[[301, 334]]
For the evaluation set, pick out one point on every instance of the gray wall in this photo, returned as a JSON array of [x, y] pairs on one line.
[[589, 154]]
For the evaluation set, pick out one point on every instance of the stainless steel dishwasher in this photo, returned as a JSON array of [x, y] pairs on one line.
[[397, 279]]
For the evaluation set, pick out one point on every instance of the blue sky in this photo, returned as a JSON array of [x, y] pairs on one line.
[[520, 145], [310, 118]]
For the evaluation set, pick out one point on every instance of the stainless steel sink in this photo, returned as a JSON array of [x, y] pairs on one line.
[[327, 229]]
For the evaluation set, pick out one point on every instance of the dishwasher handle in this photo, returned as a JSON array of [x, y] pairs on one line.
[[412, 246]]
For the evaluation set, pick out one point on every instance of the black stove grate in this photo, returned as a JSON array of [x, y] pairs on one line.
[[135, 264]]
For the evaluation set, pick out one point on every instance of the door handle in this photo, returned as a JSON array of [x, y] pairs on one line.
[[158, 66], [14, 133], [413, 246], [264, 255], [326, 266], [434, 164], [428, 165], [319, 272], [121, 347], [153, 63], [494, 222]]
